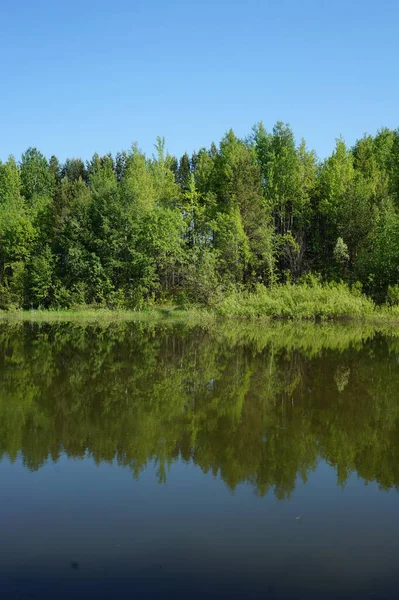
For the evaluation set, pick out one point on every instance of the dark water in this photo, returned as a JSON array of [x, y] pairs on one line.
[[161, 461]]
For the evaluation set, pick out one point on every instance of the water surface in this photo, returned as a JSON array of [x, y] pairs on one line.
[[144, 461]]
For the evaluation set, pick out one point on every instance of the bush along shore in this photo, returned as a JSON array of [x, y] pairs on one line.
[[313, 301], [248, 228]]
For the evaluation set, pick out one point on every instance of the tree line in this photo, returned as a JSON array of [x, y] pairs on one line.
[[128, 230]]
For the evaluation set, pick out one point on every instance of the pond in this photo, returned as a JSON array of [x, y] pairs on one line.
[[145, 460]]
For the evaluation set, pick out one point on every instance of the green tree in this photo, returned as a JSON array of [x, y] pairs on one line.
[[40, 279], [333, 191], [288, 177], [36, 177], [238, 188], [17, 235]]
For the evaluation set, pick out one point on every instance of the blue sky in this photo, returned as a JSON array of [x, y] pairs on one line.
[[84, 76]]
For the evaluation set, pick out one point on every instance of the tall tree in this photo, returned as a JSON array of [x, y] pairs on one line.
[[288, 178], [37, 179]]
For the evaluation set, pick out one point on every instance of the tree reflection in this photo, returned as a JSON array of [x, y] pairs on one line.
[[249, 404]]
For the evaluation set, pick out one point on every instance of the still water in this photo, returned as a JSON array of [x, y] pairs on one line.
[[168, 461]]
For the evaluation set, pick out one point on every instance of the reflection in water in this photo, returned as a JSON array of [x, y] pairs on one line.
[[252, 405]]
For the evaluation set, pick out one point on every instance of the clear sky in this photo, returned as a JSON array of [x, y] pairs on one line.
[[84, 76]]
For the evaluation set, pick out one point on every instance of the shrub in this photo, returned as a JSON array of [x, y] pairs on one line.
[[307, 300], [393, 295]]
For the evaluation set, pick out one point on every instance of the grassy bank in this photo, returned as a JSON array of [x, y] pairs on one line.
[[313, 301], [91, 314]]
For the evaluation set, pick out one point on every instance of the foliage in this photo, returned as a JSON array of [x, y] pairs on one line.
[[308, 300], [127, 231]]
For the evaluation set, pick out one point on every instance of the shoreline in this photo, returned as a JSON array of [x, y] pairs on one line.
[[381, 316]]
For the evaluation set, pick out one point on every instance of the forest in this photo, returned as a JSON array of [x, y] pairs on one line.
[[247, 216]]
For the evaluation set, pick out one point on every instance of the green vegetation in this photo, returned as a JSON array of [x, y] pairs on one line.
[[252, 405], [312, 300], [224, 229], [306, 301]]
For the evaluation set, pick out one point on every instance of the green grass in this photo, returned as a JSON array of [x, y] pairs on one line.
[[90, 314], [309, 301], [306, 301]]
